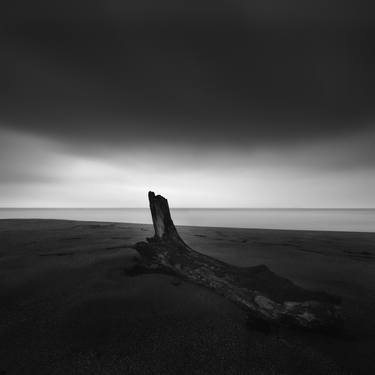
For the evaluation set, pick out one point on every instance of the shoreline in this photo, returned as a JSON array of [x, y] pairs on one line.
[[182, 226], [352, 220]]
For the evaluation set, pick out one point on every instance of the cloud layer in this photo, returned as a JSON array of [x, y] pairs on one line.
[[115, 97], [232, 72]]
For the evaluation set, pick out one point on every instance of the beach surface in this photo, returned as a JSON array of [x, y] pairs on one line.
[[68, 306]]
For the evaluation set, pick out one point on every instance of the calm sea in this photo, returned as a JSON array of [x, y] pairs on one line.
[[358, 220]]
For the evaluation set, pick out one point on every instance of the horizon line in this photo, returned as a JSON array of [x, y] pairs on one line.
[[187, 208]]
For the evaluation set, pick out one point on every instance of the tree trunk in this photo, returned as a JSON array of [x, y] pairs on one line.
[[161, 218], [264, 295]]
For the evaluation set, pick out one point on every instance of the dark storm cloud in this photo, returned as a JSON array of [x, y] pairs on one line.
[[229, 71]]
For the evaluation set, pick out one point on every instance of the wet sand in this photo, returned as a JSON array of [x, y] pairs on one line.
[[67, 305]]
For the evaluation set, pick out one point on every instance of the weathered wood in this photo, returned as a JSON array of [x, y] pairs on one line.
[[161, 218], [258, 290]]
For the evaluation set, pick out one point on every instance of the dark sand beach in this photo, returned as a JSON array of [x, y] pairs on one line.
[[67, 305]]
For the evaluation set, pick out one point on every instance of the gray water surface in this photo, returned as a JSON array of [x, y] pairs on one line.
[[357, 220]]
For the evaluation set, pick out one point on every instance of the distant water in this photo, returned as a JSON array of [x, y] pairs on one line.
[[358, 220]]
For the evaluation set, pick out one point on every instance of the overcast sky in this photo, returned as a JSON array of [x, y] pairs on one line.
[[235, 103]]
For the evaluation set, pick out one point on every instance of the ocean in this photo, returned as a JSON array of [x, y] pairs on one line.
[[352, 220]]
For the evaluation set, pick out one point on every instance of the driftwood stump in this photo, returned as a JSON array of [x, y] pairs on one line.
[[267, 298]]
